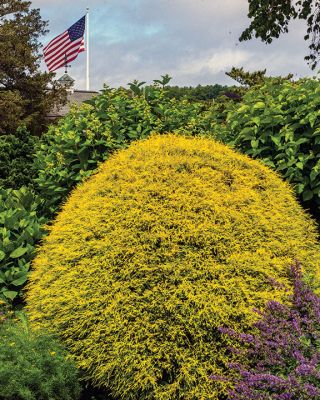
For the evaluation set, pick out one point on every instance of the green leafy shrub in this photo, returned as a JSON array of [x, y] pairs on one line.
[[20, 229], [171, 239], [72, 150], [16, 159], [34, 366], [279, 123]]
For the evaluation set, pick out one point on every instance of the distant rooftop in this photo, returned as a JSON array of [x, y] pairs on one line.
[[74, 97], [66, 80]]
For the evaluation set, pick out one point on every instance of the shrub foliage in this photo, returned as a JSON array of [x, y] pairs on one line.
[[16, 159], [279, 123], [171, 239], [34, 366], [20, 229]]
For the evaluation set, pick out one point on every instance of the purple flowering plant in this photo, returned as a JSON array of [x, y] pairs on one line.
[[283, 356]]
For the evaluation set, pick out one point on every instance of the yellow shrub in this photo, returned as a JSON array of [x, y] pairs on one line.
[[170, 240]]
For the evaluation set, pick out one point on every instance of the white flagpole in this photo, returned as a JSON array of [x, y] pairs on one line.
[[88, 49]]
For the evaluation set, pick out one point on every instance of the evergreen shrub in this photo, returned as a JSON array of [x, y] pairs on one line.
[[34, 366], [171, 239], [279, 123]]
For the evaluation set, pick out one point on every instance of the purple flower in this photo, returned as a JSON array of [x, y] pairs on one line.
[[283, 358]]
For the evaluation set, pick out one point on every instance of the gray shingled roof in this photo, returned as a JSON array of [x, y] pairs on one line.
[[76, 96]]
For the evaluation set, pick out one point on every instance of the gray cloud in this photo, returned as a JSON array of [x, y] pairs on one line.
[[195, 41]]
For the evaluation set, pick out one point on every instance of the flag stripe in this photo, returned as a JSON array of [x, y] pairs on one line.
[[49, 57], [63, 59], [52, 58], [65, 47], [55, 40], [66, 51], [54, 48], [62, 64]]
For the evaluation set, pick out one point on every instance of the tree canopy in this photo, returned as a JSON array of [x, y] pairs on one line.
[[26, 94], [200, 92], [248, 79], [271, 18]]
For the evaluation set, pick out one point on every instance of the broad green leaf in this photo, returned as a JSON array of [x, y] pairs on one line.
[[313, 175], [300, 188], [300, 165], [20, 281], [10, 294], [20, 251], [259, 105]]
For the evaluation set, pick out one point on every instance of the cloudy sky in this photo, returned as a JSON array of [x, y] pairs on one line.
[[194, 41]]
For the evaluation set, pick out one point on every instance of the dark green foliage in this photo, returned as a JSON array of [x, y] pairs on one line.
[[16, 159], [269, 19], [24, 95], [20, 230], [280, 124], [71, 151], [164, 81], [34, 366], [198, 93], [248, 79]]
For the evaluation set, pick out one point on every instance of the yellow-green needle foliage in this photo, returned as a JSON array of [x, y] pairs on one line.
[[170, 240]]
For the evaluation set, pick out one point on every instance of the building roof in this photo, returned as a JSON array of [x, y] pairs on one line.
[[74, 97], [66, 80]]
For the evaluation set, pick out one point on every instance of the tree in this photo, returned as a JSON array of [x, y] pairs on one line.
[[198, 93], [26, 94], [249, 79], [270, 18]]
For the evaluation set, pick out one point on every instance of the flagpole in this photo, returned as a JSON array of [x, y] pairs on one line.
[[88, 49]]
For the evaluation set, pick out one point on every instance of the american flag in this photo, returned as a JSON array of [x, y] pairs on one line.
[[65, 47]]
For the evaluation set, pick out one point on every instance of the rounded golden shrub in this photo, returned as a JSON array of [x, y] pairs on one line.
[[170, 240]]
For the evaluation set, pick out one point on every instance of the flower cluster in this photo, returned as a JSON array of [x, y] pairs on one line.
[[284, 354]]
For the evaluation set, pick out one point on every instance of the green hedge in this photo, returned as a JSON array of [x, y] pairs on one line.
[[16, 159], [279, 123], [20, 229]]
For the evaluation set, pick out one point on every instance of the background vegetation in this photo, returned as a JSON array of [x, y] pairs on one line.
[[278, 122], [17, 153], [26, 94]]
